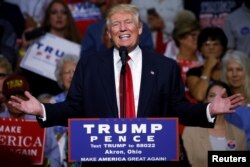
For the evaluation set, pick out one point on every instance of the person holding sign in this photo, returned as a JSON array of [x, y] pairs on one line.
[[158, 90], [57, 21], [16, 85]]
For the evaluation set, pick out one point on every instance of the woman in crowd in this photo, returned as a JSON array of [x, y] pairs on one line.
[[185, 35], [57, 21], [223, 137], [64, 72], [212, 43], [236, 73]]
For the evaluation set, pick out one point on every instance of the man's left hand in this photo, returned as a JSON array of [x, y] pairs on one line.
[[222, 105]]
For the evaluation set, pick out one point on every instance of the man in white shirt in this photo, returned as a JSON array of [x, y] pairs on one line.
[[157, 84]]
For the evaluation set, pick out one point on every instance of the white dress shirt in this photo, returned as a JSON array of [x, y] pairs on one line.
[[135, 64]]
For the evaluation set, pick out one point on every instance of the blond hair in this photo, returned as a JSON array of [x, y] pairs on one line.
[[126, 8]]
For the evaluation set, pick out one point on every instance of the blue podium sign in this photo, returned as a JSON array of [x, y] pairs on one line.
[[142, 139]]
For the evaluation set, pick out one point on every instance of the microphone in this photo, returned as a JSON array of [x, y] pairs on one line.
[[123, 51]]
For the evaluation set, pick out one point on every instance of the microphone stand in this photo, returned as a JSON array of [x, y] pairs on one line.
[[123, 76], [123, 54]]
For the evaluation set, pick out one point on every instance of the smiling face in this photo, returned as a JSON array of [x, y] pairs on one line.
[[235, 74], [124, 30]]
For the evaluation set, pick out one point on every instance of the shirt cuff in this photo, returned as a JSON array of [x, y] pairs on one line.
[[44, 118], [209, 118]]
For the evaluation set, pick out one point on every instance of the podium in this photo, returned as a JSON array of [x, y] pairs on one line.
[[123, 141]]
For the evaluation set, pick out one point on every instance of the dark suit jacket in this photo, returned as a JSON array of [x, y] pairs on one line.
[[92, 93]]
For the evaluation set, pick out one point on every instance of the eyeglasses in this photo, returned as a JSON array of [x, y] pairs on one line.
[[193, 34]]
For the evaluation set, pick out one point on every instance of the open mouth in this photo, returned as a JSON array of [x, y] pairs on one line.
[[124, 37]]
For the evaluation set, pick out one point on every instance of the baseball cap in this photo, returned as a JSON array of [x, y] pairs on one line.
[[15, 84]]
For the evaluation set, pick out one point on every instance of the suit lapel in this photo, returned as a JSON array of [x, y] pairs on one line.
[[106, 70], [147, 82]]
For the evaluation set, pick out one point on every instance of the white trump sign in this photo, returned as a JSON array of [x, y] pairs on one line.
[[42, 56]]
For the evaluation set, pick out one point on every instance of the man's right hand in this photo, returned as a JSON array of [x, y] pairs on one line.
[[29, 106]]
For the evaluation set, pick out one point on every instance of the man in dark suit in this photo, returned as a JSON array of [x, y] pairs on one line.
[[157, 85]]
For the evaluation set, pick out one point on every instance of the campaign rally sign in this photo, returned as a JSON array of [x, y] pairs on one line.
[[42, 56], [142, 139], [23, 137]]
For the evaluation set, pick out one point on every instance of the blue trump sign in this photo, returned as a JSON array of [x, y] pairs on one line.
[[142, 139]]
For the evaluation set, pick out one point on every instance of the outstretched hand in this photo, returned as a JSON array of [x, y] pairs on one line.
[[30, 106], [222, 105]]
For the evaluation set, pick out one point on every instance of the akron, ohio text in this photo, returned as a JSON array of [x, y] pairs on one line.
[[107, 132]]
